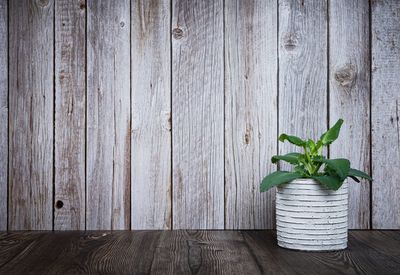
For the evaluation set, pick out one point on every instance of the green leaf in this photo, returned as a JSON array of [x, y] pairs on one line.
[[292, 139], [332, 134], [317, 146], [277, 178], [300, 170], [311, 145], [330, 182], [340, 166], [292, 158], [357, 173], [318, 158]]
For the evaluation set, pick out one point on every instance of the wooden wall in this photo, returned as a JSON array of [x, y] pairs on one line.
[[164, 114]]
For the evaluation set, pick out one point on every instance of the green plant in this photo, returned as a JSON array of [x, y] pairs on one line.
[[312, 164]]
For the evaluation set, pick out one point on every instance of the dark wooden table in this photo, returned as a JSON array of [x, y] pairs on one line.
[[190, 252]]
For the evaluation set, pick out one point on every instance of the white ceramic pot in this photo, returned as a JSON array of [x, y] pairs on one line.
[[310, 217]]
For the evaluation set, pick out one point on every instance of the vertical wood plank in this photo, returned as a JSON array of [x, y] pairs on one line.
[[108, 115], [385, 113], [250, 111], [3, 112], [198, 114], [151, 107], [302, 70], [349, 80], [31, 114], [70, 115]]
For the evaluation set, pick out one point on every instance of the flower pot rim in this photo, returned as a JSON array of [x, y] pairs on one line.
[[304, 180]]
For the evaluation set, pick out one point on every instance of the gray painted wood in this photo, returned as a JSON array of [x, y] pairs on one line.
[[385, 114], [349, 80], [3, 113], [31, 114], [250, 111], [302, 70], [70, 115], [108, 115], [212, 135], [197, 114], [151, 115]]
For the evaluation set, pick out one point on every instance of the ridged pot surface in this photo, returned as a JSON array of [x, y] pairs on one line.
[[311, 217]]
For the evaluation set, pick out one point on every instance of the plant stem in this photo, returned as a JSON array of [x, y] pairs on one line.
[[309, 165]]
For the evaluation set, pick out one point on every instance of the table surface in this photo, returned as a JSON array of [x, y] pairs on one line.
[[190, 252]]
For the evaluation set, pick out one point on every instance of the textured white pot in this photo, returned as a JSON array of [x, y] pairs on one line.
[[310, 217]]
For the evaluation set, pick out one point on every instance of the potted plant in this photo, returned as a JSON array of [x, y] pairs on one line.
[[312, 200]]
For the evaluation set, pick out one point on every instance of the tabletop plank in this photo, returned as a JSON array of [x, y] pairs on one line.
[[190, 252]]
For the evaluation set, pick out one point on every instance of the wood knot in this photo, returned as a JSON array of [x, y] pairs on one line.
[[290, 41], [177, 33], [42, 3], [247, 138], [169, 123], [59, 204], [346, 75], [247, 134], [82, 5], [122, 24]]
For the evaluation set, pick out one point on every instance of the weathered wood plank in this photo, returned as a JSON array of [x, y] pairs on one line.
[[70, 115], [385, 113], [151, 115], [250, 111], [198, 114], [17, 245], [383, 242], [302, 70], [3, 112], [369, 252], [349, 80], [108, 115], [190, 252], [31, 114], [203, 252], [78, 252]]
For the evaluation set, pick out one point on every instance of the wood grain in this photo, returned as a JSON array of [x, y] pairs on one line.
[[302, 70], [211, 83], [198, 114], [349, 80], [151, 115], [3, 112], [70, 115], [15, 245], [366, 254], [203, 252], [385, 114], [31, 114], [250, 111], [77, 252], [190, 252], [108, 115]]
